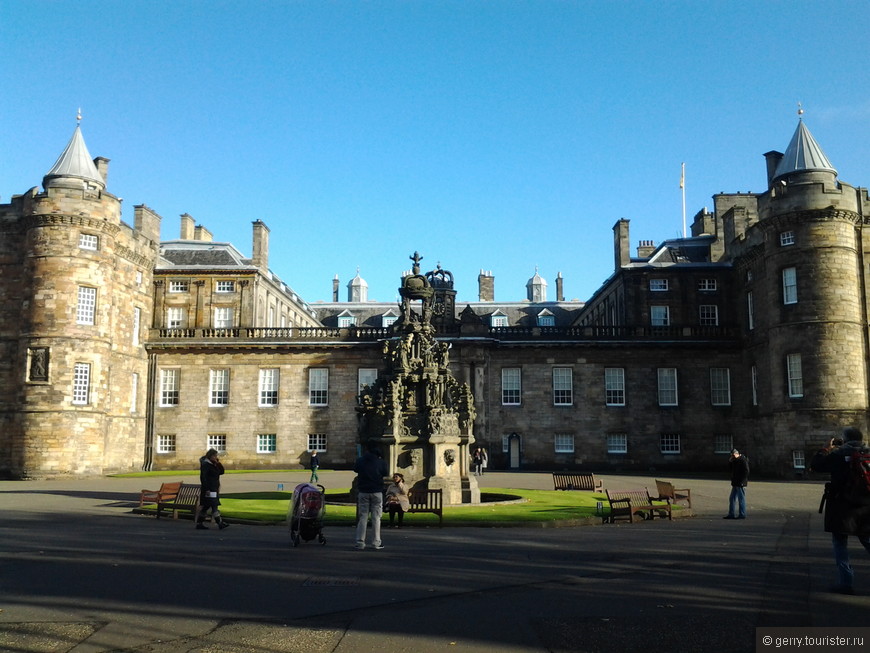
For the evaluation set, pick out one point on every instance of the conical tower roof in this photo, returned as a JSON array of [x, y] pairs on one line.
[[803, 155], [75, 162]]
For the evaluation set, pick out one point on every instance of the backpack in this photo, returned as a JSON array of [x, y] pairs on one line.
[[858, 478]]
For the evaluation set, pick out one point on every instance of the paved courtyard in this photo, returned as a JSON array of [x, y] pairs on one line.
[[79, 572]]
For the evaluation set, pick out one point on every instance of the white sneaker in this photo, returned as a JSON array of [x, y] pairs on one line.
[[359, 547], [377, 547]]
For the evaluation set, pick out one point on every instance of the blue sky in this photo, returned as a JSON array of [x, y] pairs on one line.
[[499, 135]]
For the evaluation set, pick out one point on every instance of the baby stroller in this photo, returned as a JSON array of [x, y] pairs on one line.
[[306, 513]]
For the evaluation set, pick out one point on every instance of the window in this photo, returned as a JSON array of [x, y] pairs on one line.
[[750, 311], [134, 391], [511, 389], [660, 316], [707, 285], [789, 286], [169, 387], [387, 320], [317, 442], [563, 393], [498, 320], [614, 386], [225, 286], [177, 285], [669, 442], [720, 386], [345, 321], [795, 376], [617, 443], [81, 384], [754, 379], [137, 323], [564, 443], [667, 386], [708, 315], [89, 241], [723, 443], [269, 387], [798, 459], [138, 277], [506, 443], [546, 320], [786, 238], [174, 318], [267, 443], [165, 443], [219, 388], [318, 386], [87, 305], [366, 377], [271, 322], [658, 285], [223, 317], [218, 442]]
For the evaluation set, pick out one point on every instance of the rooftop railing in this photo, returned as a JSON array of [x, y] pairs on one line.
[[373, 334]]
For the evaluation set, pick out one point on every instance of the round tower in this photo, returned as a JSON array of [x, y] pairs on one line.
[[810, 302], [84, 286]]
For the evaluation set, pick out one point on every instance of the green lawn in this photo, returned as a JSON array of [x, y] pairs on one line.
[[529, 506]]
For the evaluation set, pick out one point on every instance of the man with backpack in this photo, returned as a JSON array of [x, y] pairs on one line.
[[847, 499]]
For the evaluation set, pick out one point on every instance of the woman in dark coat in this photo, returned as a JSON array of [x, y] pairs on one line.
[[210, 471]]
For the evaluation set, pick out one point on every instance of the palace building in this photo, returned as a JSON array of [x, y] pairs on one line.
[[121, 352]]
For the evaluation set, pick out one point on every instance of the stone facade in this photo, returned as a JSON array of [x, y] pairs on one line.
[[751, 332]]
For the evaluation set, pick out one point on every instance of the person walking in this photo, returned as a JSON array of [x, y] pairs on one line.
[[370, 471], [739, 466], [210, 471], [477, 461], [314, 464], [846, 500]]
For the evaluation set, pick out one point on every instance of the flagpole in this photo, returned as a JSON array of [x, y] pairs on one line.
[[683, 189]]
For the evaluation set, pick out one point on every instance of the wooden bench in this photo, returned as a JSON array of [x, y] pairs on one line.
[[186, 499], [668, 493], [427, 501], [167, 492], [628, 503], [563, 481]]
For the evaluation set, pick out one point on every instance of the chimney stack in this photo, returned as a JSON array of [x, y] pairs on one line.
[[260, 251], [486, 286], [560, 295], [335, 289], [187, 225], [621, 254]]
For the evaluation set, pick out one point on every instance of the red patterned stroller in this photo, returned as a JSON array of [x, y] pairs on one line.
[[306, 513]]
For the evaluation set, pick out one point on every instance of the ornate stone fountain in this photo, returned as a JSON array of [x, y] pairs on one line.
[[418, 412]]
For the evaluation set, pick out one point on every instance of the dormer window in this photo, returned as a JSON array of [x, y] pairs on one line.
[[388, 319], [658, 285], [546, 319], [786, 238], [498, 319], [346, 319]]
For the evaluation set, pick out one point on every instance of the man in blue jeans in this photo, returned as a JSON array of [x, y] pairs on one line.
[[370, 471], [739, 465], [846, 512]]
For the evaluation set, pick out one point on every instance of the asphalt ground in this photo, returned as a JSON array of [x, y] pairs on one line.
[[80, 572]]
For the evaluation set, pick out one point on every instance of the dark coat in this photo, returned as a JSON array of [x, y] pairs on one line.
[[209, 476], [739, 471], [841, 515], [371, 470]]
